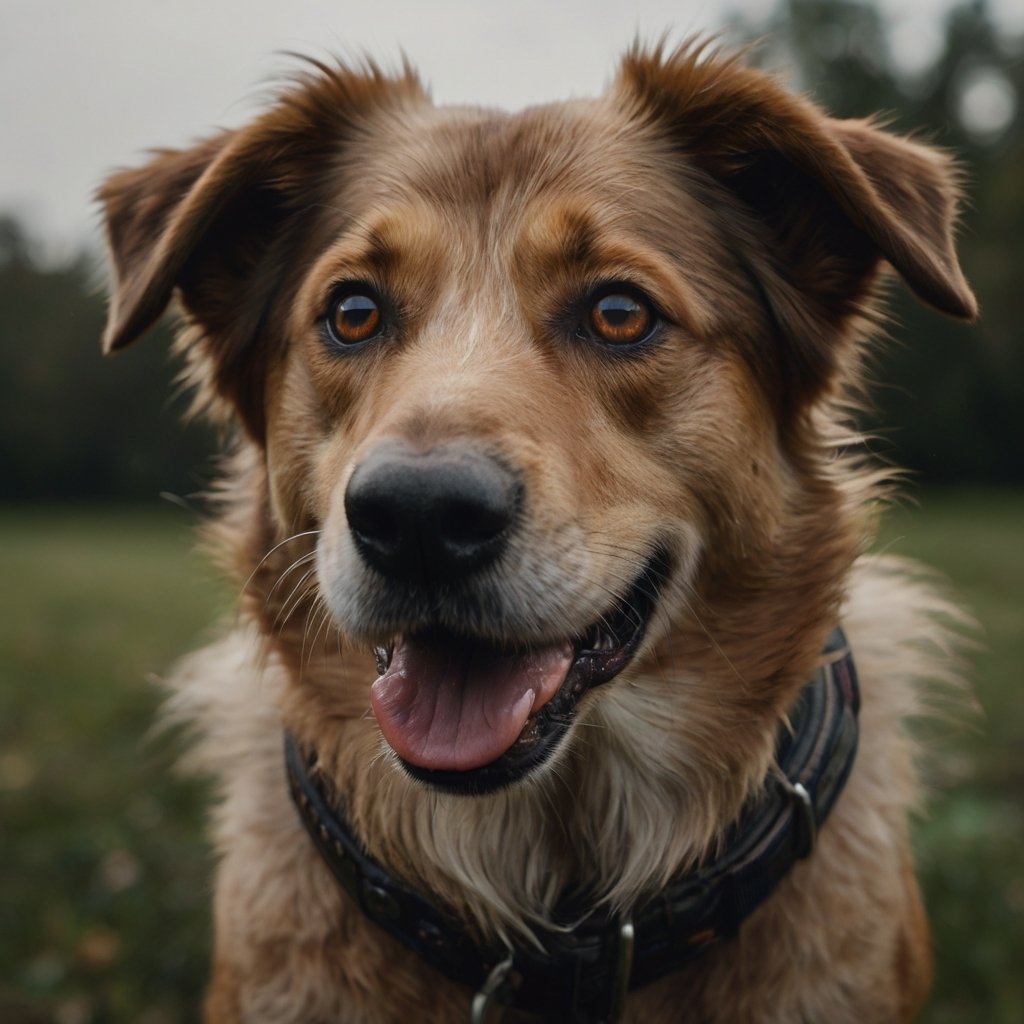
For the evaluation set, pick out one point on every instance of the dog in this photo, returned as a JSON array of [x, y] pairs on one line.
[[563, 687]]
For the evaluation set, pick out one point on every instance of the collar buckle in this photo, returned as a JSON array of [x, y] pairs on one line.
[[503, 980]]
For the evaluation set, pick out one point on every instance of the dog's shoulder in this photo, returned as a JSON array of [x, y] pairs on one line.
[[907, 638]]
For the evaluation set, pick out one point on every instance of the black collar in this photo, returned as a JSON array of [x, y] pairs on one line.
[[583, 974]]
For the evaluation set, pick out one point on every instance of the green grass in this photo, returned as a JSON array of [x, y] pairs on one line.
[[970, 848], [104, 878]]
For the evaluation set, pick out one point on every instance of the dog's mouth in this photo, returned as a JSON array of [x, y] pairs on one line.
[[470, 715]]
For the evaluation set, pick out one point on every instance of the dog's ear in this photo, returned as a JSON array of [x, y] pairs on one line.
[[833, 198], [218, 224], [138, 206], [201, 222]]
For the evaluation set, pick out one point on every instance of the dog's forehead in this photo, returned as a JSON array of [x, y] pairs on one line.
[[549, 185], [480, 155], [492, 168]]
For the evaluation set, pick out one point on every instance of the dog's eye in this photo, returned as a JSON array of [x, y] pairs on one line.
[[620, 318], [353, 317]]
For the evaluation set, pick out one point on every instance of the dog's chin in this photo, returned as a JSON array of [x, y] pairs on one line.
[[469, 716]]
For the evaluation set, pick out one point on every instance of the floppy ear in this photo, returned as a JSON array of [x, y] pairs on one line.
[[138, 206], [203, 222], [220, 225], [830, 199]]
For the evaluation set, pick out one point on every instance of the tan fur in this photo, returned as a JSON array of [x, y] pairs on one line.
[[758, 226]]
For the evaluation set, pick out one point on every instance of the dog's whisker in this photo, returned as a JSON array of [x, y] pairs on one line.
[[303, 560], [302, 589], [275, 548], [323, 627], [317, 612]]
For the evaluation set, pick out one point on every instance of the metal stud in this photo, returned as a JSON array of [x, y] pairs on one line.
[[380, 902]]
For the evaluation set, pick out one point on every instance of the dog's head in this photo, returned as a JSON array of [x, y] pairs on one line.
[[551, 388]]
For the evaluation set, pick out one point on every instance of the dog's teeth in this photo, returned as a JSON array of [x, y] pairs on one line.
[[599, 639]]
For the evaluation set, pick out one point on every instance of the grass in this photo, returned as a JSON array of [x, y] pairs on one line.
[[970, 848], [104, 878]]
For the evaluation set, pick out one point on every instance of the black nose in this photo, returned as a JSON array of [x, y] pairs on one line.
[[431, 517]]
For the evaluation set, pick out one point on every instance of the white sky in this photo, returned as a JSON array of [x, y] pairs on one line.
[[89, 85]]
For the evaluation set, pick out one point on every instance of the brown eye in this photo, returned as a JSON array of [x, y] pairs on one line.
[[621, 319], [353, 317]]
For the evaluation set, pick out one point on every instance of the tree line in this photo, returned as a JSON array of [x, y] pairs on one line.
[[73, 424]]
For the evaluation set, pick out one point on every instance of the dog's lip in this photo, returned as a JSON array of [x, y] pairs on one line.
[[598, 654]]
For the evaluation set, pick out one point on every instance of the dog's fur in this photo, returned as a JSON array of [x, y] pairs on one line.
[[758, 227]]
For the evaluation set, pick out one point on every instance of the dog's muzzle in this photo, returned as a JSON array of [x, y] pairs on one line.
[[462, 711]]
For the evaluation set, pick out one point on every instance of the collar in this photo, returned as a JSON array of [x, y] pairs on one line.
[[582, 974]]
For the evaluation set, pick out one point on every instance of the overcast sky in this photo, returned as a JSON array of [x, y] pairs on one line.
[[89, 85]]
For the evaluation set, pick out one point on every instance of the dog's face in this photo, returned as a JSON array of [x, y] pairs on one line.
[[502, 382], [548, 387]]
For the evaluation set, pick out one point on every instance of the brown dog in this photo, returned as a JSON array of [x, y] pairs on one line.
[[545, 509]]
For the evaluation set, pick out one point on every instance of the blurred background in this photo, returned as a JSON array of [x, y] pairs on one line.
[[104, 876]]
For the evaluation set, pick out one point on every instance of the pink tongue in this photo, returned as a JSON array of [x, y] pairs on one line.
[[455, 705]]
